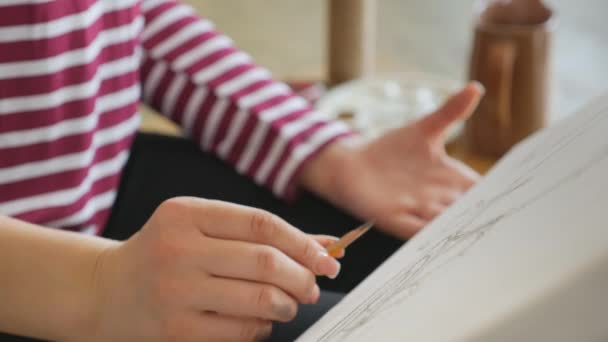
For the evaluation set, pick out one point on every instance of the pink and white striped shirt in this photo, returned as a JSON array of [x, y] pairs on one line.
[[72, 73]]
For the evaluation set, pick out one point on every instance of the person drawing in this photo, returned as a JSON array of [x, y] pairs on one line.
[[160, 238]]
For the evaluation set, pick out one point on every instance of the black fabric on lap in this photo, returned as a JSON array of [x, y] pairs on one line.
[[162, 167]]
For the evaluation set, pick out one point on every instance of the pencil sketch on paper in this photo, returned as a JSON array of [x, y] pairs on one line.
[[473, 222]]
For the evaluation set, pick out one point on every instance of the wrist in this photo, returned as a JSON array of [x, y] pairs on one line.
[[103, 292], [47, 288], [322, 174], [95, 295]]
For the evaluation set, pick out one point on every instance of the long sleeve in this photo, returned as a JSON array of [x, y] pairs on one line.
[[231, 107]]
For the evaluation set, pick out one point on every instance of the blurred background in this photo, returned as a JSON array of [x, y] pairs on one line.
[[431, 36]]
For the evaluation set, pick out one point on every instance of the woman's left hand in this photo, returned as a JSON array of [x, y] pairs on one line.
[[402, 179]]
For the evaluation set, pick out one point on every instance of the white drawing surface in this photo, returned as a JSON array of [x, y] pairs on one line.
[[535, 222]]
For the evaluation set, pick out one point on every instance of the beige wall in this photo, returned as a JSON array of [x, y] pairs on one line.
[[288, 37], [429, 35]]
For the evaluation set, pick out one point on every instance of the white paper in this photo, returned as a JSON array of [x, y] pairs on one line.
[[520, 246]]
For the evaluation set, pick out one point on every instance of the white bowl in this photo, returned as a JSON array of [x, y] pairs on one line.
[[374, 105]]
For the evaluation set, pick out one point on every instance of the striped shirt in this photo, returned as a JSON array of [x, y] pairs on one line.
[[72, 73]]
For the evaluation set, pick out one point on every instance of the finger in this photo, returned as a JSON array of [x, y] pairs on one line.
[[454, 174], [429, 210], [233, 297], [447, 197], [412, 224], [325, 240], [235, 222], [458, 107], [466, 176], [259, 263], [444, 191], [404, 226], [214, 327]]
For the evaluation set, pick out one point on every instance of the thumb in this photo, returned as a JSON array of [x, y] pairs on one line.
[[458, 107]]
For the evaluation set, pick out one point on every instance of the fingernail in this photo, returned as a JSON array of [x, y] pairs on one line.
[[316, 292], [286, 312], [333, 276], [480, 87], [328, 266]]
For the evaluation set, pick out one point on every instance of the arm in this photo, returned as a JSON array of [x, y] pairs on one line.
[[164, 283], [231, 107], [403, 178], [47, 278]]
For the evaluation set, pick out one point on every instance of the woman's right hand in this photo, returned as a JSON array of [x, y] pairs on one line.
[[206, 270]]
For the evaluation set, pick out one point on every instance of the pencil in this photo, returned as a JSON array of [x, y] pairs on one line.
[[335, 248]]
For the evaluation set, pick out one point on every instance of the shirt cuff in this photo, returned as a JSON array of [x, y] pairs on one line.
[[286, 183]]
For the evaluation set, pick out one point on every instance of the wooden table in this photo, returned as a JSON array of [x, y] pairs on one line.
[[459, 150]]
